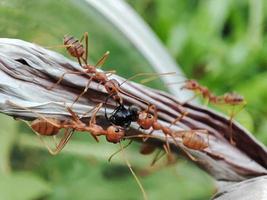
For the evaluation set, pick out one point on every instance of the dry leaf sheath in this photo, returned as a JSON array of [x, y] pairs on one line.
[[27, 70]]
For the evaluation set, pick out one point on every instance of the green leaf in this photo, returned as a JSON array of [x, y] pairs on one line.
[[8, 133], [22, 186]]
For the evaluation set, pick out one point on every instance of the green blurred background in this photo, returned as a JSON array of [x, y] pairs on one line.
[[221, 43]]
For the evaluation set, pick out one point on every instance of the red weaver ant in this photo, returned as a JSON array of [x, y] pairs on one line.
[[190, 139], [227, 98], [44, 126], [48, 126], [77, 50], [232, 99], [147, 121]]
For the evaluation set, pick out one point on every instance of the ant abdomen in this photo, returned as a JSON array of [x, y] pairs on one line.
[[194, 141], [44, 127], [74, 46]]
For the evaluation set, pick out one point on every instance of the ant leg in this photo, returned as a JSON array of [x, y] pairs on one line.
[[84, 91], [232, 115], [102, 60], [167, 144], [184, 150], [64, 140], [93, 117], [119, 150], [158, 156], [147, 135], [189, 154], [36, 133], [169, 155], [77, 120], [133, 173], [85, 36], [178, 118], [231, 126], [147, 74], [78, 57], [206, 102], [73, 114], [61, 78]]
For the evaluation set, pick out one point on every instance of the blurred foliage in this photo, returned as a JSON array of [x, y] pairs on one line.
[[221, 43]]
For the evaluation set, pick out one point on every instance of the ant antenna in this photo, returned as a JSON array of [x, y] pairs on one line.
[[102, 60], [119, 150], [157, 157], [133, 173], [155, 76], [147, 74]]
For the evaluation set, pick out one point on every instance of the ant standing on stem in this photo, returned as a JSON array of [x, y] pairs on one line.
[[232, 99], [45, 126], [77, 50]]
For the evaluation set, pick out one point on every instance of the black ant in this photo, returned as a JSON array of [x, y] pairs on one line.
[[122, 116]]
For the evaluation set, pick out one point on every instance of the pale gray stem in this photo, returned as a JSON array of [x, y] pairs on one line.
[[27, 70]]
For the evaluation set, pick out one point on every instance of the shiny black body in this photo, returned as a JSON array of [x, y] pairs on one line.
[[122, 116]]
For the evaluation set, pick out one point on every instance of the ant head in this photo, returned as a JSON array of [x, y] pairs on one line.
[[134, 110], [191, 84], [115, 134], [112, 86], [89, 68], [145, 120], [100, 76]]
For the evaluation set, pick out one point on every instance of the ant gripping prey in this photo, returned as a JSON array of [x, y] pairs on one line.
[[45, 126], [147, 121], [190, 139]]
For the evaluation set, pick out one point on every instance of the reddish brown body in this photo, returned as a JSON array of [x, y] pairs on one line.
[[43, 127], [193, 141], [74, 46], [189, 138], [233, 99], [50, 127], [115, 134], [227, 98], [197, 88]]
